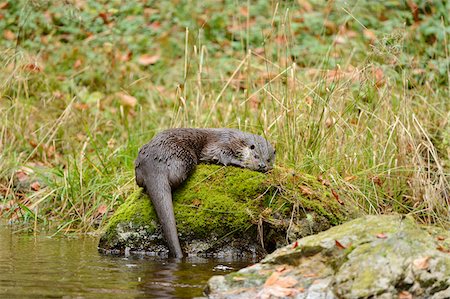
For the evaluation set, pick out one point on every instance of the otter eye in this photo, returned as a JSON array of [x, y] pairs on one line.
[[252, 146]]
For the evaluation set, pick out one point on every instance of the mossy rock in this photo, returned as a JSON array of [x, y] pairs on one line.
[[369, 257], [219, 209]]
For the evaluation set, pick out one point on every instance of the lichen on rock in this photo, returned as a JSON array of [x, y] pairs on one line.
[[370, 257]]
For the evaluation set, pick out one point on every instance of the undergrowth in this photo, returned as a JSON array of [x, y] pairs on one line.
[[354, 93]]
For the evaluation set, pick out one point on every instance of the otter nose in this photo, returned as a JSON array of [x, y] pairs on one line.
[[262, 166]]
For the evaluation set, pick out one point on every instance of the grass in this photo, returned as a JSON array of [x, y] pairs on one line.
[[354, 93]]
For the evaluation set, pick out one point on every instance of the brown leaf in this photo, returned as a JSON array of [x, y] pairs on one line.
[[414, 10], [35, 186], [81, 106], [336, 196], [422, 263], [377, 181], [21, 175], [102, 209], [196, 202], [287, 282], [32, 67], [440, 238], [405, 295], [4, 5], [370, 35], [305, 190], [379, 77], [127, 100], [9, 35], [77, 64], [243, 10], [272, 279], [381, 236], [339, 244], [148, 59], [443, 249], [310, 275], [350, 178], [305, 5]]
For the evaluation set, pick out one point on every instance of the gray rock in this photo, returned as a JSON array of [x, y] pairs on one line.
[[370, 257]]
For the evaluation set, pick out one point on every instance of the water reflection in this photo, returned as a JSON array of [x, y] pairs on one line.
[[63, 267]]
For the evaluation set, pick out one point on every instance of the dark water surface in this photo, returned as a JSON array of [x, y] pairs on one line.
[[43, 267]]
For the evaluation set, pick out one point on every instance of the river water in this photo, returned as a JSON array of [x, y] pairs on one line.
[[44, 267]]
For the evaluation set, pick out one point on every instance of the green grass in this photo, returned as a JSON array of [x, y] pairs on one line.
[[355, 93]]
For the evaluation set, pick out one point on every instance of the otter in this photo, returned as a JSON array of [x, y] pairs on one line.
[[168, 159]]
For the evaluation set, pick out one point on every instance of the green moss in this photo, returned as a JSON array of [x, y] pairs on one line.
[[217, 202]]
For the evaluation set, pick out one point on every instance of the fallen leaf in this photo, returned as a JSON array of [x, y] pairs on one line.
[[9, 35], [295, 245], [81, 106], [404, 295], [4, 5], [243, 10], [339, 244], [379, 77], [370, 35], [440, 238], [32, 67], [414, 10], [196, 202], [349, 178], [35, 186], [329, 122], [310, 275], [336, 196], [21, 175], [127, 100], [77, 64], [102, 209], [148, 59], [422, 263], [443, 249], [272, 279], [305, 5], [276, 292], [381, 236], [305, 190]]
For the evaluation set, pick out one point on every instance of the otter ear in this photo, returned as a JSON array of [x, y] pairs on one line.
[[252, 147]]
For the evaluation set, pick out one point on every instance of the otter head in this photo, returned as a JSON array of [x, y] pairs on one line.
[[258, 154]]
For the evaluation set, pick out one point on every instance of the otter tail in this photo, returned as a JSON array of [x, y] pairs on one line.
[[158, 188]]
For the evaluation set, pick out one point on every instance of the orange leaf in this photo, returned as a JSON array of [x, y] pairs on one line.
[[422, 263], [21, 175], [349, 178], [287, 282], [77, 64], [404, 295], [381, 236], [9, 35], [337, 197], [35, 186], [4, 5], [305, 190], [147, 59], [272, 279], [339, 244], [127, 100], [102, 209], [440, 238]]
